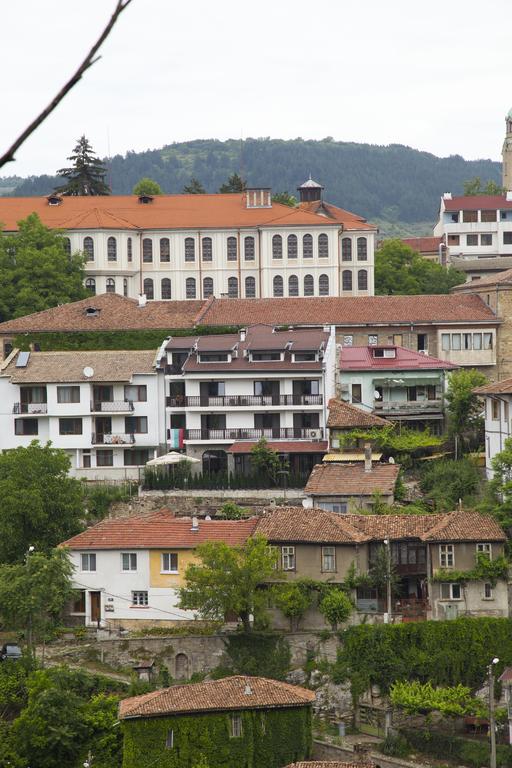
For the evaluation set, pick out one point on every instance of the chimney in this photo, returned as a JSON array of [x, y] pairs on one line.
[[243, 334], [195, 524], [247, 690], [447, 196], [367, 457], [258, 197], [142, 300]]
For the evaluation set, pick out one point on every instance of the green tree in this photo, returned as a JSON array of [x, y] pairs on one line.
[[293, 600], [86, 176], [335, 606], [498, 499], [147, 187], [194, 187], [401, 270], [474, 187], [227, 580], [40, 505], [266, 461], [235, 183], [285, 198], [105, 738], [446, 481], [37, 273], [231, 511], [464, 407]]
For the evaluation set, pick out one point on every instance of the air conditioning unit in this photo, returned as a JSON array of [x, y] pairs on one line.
[[423, 351], [312, 434]]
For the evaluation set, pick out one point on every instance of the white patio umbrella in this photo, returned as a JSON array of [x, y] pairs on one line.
[[173, 457]]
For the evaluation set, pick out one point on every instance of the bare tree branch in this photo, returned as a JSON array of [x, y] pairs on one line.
[[89, 60]]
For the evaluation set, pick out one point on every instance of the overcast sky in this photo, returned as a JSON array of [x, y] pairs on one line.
[[433, 75]]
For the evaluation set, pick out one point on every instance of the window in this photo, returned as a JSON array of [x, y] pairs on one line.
[[236, 726], [110, 285], [307, 247], [323, 285], [135, 393], [207, 287], [453, 239], [169, 562], [293, 285], [477, 341], [136, 425], [165, 288], [125, 286], [88, 561], [214, 357], [70, 426], [104, 457], [265, 356], [165, 249], [129, 249], [446, 555], [190, 288], [323, 246], [362, 280], [26, 427], [147, 250], [206, 249], [169, 740], [309, 285], [466, 341], [488, 215], [348, 341], [362, 249], [486, 239], [304, 357], [249, 248], [111, 249], [89, 248], [190, 249], [450, 591], [495, 410], [507, 238], [233, 287], [346, 280], [136, 457], [86, 459], [79, 602], [488, 591], [90, 284], [340, 508], [484, 549], [277, 286], [346, 249], [140, 598], [128, 561], [471, 239], [277, 247], [292, 245], [68, 394], [456, 341], [250, 287], [373, 340], [328, 559], [445, 342], [356, 393], [232, 250], [149, 288], [67, 245], [487, 340], [469, 216], [288, 558]]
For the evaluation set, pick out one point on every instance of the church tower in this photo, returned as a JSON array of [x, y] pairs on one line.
[[507, 153]]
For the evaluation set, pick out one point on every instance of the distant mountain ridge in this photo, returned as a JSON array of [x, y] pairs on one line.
[[391, 183]]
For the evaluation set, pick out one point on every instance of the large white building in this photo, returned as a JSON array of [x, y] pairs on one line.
[[498, 426], [195, 246]]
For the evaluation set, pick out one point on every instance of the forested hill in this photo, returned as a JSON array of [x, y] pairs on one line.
[[394, 183]]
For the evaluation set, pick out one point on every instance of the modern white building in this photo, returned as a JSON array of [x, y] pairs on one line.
[[104, 408], [497, 410], [196, 246]]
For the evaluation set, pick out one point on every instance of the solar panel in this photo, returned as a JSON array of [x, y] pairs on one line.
[[22, 360]]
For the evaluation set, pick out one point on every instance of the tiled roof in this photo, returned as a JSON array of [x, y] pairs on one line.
[[349, 311], [308, 525], [348, 220], [230, 693], [283, 446], [502, 278], [160, 529], [69, 366], [423, 244], [477, 203], [465, 526], [380, 527], [337, 479], [499, 387], [347, 416], [362, 359], [113, 313]]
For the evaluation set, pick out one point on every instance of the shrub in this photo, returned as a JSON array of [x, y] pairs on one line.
[[395, 745], [335, 606], [447, 481]]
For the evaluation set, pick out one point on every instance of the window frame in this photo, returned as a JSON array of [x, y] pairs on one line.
[[446, 555], [292, 246], [288, 562], [78, 422], [190, 288], [189, 245], [323, 285], [208, 287], [165, 250], [277, 246], [450, 585], [309, 285], [277, 286], [89, 558], [166, 288], [323, 246], [236, 730], [140, 598], [131, 559], [249, 248], [307, 246], [231, 248], [293, 285], [250, 281], [73, 389], [147, 250], [169, 555], [484, 548], [325, 558], [206, 248]]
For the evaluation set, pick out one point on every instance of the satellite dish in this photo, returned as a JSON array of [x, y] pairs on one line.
[[376, 394], [88, 372]]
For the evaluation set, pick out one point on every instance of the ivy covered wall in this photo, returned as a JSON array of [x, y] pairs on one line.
[[270, 739]]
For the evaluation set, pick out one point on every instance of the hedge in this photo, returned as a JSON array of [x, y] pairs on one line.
[[465, 751]]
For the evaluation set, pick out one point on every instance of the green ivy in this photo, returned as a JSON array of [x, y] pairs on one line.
[[485, 570], [266, 654]]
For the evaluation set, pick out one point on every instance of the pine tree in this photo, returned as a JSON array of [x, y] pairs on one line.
[[87, 174], [194, 188], [235, 183]]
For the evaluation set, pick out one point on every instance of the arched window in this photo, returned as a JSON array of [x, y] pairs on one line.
[[307, 247], [292, 246], [362, 280], [90, 284], [346, 280], [250, 288], [309, 285], [148, 288], [67, 245], [293, 285], [362, 249], [165, 288], [165, 249], [129, 250], [232, 250], [233, 287], [110, 285], [125, 286], [190, 288], [190, 249], [346, 249], [249, 248], [111, 249], [277, 286], [147, 250], [277, 247], [206, 249], [323, 285], [323, 246], [89, 248], [207, 287]]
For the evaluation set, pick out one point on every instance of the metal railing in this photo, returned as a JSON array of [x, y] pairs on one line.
[[407, 406], [238, 401], [113, 406], [250, 433], [112, 438], [34, 409]]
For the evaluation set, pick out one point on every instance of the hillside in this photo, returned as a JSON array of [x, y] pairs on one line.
[[392, 184]]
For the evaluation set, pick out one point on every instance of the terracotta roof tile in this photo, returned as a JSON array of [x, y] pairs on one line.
[[335, 479], [348, 220], [465, 526], [423, 244], [69, 366], [477, 203], [502, 278], [308, 525], [344, 415], [362, 359], [499, 387], [282, 446], [230, 693]]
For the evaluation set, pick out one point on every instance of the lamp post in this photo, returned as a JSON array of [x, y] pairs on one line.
[[492, 718], [387, 616], [29, 627]]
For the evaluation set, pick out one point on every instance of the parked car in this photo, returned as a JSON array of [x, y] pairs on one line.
[[10, 652]]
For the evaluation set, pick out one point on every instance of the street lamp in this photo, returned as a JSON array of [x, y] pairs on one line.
[[387, 616], [492, 719]]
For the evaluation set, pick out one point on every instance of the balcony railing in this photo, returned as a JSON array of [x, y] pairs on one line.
[[238, 401], [287, 433], [173, 370], [113, 438], [34, 409], [113, 406], [408, 406]]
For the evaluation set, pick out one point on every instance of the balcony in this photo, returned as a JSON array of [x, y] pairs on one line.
[[114, 438], [31, 409], [173, 370], [390, 407], [113, 406], [250, 433], [240, 401]]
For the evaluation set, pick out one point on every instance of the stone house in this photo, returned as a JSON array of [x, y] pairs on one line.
[[341, 487]]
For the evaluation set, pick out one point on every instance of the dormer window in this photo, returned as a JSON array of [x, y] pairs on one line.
[[266, 356], [145, 199], [214, 357], [304, 357], [92, 312], [54, 199], [380, 352]]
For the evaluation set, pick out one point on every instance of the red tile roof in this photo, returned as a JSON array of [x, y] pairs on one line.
[[362, 359], [477, 203], [284, 446], [230, 693], [423, 244], [298, 524], [499, 387], [348, 220], [503, 277], [465, 526], [337, 479], [344, 415]]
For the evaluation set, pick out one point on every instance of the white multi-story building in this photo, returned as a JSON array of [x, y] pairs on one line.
[[197, 246], [498, 426], [105, 409]]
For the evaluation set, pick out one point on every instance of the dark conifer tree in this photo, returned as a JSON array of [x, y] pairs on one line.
[[86, 176], [194, 188], [235, 183]]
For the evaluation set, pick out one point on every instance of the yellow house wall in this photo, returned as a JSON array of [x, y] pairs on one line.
[[171, 580]]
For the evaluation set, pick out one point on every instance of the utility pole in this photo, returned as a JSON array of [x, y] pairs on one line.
[[492, 717]]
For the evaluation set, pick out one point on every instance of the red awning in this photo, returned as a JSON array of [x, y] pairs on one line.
[[283, 446]]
